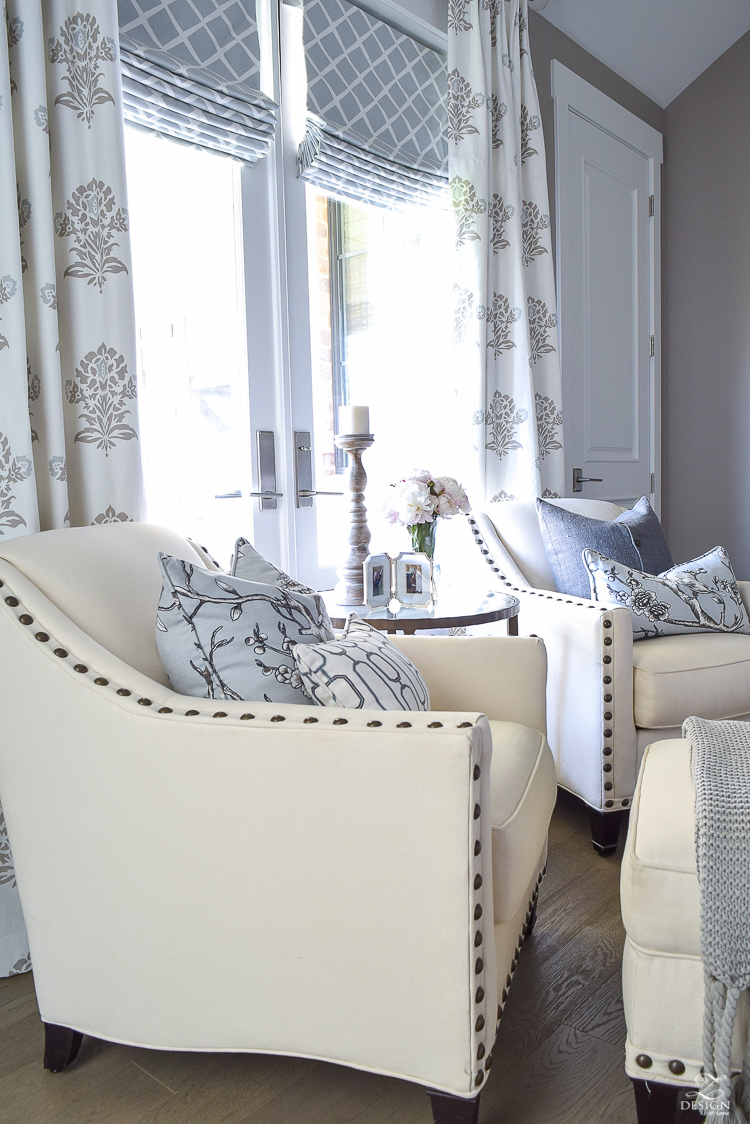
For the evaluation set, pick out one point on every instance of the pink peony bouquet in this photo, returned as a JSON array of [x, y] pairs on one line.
[[419, 500]]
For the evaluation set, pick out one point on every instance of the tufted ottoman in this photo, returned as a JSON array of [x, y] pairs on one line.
[[662, 971]]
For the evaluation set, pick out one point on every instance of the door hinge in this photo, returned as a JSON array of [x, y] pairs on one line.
[[651, 345], [653, 482], [650, 206]]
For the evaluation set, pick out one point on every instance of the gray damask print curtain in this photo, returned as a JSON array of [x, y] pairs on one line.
[[69, 450], [505, 320]]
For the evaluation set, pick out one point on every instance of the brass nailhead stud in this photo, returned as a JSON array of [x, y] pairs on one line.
[[477, 811], [340, 721], [608, 803], [480, 1051], [478, 966], [42, 637], [220, 714], [308, 720], [507, 982], [607, 751], [607, 640], [608, 624], [607, 679], [433, 725], [676, 1067], [80, 668], [12, 601], [247, 717], [608, 733], [144, 702], [478, 882], [477, 847], [277, 718], [505, 999], [188, 713], [479, 1079], [606, 659], [477, 772], [607, 767], [478, 938], [463, 725], [479, 1024], [165, 710], [488, 1063], [477, 913], [608, 786], [607, 715], [101, 681], [625, 803], [608, 698], [644, 1061], [26, 619], [375, 723], [2, 584], [125, 692], [61, 653], [479, 995], [399, 725]]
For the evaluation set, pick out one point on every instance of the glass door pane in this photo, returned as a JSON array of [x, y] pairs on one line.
[[192, 357]]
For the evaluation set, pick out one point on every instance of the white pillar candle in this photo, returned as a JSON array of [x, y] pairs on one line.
[[354, 419]]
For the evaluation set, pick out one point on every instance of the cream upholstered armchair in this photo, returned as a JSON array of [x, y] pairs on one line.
[[234, 876], [607, 696]]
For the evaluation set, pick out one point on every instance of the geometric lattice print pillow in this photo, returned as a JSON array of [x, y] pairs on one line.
[[698, 596], [361, 670], [220, 637]]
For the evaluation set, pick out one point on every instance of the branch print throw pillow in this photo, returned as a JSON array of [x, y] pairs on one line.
[[698, 596], [222, 637]]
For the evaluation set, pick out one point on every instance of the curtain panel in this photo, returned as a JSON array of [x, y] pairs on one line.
[[377, 110], [505, 321], [69, 448], [191, 72]]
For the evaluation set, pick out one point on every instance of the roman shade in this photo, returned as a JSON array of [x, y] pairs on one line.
[[377, 110], [191, 71]]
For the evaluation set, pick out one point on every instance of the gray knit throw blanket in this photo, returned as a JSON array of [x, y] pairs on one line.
[[720, 763]]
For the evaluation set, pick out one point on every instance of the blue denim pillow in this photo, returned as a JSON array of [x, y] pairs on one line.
[[634, 539]]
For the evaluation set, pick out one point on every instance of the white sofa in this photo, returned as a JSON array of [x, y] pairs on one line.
[[203, 875], [662, 966], [607, 697]]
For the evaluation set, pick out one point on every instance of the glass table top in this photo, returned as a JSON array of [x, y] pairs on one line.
[[451, 608]]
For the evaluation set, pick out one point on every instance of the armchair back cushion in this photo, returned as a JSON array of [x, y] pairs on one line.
[[517, 524], [106, 580]]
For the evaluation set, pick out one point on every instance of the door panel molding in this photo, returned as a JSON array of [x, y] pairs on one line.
[[577, 102]]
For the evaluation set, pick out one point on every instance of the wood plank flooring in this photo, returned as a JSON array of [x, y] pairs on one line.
[[559, 1057]]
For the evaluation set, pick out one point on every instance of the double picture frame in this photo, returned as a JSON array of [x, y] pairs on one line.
[[407, 578]]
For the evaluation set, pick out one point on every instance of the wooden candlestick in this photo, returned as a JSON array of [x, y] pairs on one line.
[[351, 587]]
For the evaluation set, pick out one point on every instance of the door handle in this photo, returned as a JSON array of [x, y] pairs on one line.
[[303, 470], [304, 492], [579, 480], [266, 453]]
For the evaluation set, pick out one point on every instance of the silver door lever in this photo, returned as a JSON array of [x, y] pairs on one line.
[[579, 480]]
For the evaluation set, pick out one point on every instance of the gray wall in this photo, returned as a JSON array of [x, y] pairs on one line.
[[547, 43], [707, 299]]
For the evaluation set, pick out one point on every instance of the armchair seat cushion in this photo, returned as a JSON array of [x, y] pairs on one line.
[[524, 789], [707, 674]]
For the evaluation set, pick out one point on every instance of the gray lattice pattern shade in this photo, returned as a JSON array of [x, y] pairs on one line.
[[378, 101], [191, 71]]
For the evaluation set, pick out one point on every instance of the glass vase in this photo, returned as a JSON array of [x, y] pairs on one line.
[[423, 538]]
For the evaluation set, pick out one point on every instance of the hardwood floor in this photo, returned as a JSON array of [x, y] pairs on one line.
[[559, 1057]]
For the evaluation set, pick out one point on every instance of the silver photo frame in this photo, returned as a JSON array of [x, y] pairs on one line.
[[413, 578], [378, 580]]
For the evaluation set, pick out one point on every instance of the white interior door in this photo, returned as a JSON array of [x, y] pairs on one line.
[[607, 199]]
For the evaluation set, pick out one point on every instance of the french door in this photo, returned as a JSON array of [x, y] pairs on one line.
[[263, 306]]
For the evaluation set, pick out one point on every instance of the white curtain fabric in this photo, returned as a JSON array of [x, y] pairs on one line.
[[505, 320], [69, 448]]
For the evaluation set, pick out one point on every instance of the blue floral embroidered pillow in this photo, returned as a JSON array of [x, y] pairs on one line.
[[221, 637], [698, 596], [247, 563], [361, 670]]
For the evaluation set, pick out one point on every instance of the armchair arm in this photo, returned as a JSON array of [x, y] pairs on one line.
[[226, 882], [502, 676], [590, 675]]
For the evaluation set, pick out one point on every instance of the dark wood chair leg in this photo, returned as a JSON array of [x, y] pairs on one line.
[[664, 1104], [605, 830], [447, 1109], [61, 1047]]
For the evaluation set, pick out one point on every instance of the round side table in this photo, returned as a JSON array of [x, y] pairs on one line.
[[451, 610]]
